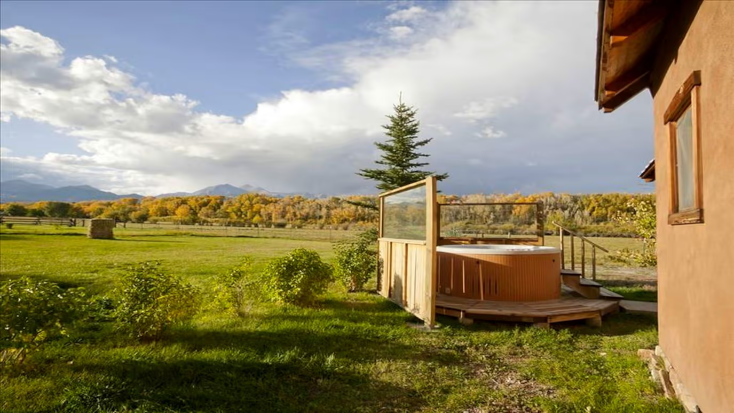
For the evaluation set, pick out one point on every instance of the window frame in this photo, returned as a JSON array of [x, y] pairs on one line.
[[687, 96]]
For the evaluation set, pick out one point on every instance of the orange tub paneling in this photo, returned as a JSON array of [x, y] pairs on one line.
[[517, 277]]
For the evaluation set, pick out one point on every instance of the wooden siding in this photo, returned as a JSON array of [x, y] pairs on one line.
[[500, 277]]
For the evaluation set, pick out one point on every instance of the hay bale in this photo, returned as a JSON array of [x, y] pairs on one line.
[[101, 228]]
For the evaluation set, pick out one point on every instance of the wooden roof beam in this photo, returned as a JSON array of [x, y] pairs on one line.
[[609, 103], [643, 20], [606, 15], [621, 82]]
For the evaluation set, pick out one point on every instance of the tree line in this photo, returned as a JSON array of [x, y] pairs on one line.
[[574, 211]]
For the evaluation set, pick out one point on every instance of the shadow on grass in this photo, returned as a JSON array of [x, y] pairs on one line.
[[361, 331], [301, 360], [234, 385], [13, 237], [620, 324], [22, 234], [629, 283], [141, 240]]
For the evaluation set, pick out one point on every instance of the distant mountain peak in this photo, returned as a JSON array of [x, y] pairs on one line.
[[18, 190], [221, 190], [23, 191]]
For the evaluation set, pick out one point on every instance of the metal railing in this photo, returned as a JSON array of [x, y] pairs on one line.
[[594, 246]]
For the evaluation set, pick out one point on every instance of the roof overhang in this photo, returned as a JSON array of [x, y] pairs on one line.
[[627, 34], [648, 174]]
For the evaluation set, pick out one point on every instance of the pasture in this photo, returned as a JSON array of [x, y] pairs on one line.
[[349, 353]]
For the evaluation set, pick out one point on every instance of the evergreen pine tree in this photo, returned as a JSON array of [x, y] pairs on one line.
[[400, 152]]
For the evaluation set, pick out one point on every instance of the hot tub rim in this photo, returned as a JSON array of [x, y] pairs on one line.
[[494, 249]]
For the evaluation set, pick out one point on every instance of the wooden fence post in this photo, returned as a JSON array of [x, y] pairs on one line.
[[563, 256]]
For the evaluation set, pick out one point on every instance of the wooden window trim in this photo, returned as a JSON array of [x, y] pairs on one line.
[[682, 98], [688, 96]]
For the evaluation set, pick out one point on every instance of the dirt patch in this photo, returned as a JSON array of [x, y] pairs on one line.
[[627, 273], [516, 391]]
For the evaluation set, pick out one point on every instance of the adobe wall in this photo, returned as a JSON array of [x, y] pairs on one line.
[[696, 261]]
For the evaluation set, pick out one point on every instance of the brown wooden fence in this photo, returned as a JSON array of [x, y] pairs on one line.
[[38, 221]]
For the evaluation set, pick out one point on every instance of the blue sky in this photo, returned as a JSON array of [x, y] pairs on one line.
[[154, 97]]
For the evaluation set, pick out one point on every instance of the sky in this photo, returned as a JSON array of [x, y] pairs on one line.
[[155, 97]]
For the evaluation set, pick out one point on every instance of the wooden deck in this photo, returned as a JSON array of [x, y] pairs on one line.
[[541, 313]]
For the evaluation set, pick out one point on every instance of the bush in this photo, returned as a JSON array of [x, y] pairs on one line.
[[644, 220], [151, 301], [32, 312], [297, 278], [356, 260], [236, 289], [15, 210]]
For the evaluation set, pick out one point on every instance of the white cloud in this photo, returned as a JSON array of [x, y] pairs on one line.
[[407, 15], [5, 117], [22, 41], [400, 32], [5, 151], [491, 133], [460, 67], [485, 109]]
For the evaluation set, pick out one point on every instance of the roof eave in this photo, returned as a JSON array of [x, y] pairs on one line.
[[630, 44]]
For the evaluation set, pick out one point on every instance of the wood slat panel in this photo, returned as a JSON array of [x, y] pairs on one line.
[[397, 273], [408, 276], [385, 268], [500, 277]]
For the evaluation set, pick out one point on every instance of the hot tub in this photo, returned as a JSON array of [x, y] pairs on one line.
[[499, 272]]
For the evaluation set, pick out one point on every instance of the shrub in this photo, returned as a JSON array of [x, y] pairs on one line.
[[236, 289], [32, 312], [151, 301], [16, 210], [644, 220], [356, 260], [297, 277]]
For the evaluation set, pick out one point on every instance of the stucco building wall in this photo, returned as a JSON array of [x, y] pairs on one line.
[[696, 261]]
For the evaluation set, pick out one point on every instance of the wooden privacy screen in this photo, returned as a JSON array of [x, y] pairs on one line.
[[407, 248]]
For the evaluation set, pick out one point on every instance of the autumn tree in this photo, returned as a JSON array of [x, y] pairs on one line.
[[57, 209], [17, 210], [400, 153]]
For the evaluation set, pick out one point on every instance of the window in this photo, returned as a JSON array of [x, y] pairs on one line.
[[682, 118]]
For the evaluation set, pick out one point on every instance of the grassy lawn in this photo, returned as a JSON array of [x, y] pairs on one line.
[[350, 353]]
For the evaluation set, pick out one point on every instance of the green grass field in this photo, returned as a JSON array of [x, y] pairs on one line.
[[350, 353]]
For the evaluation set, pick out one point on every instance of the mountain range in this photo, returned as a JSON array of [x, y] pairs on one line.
[[24, 191]]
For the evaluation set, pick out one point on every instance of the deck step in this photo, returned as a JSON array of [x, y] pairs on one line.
[[566, 271], [588, 283], [587, 288], [639, 307], [610, 295]]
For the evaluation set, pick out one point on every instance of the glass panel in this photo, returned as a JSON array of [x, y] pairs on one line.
[[404, 215], [488, 221], [684, 157]]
